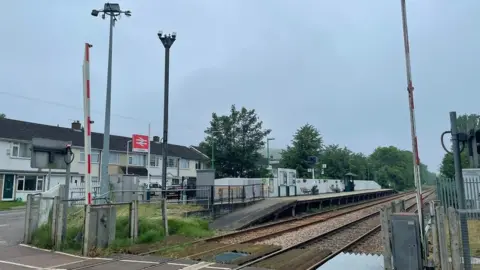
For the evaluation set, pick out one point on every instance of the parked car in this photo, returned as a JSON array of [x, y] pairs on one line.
[[174, 192]]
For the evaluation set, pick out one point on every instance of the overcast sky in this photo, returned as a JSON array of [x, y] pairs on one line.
[[338, 65]]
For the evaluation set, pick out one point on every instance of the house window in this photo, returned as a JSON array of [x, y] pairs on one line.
[[30, 183], [94, 179], [137, 160], [21, 150], [95, 156], [155, 161], [184, 164], [198, 165], [114, 158], [172, 163], [175, 181], [40, 183]]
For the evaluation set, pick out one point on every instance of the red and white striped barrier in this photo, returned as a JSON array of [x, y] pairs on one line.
[[87, 124]]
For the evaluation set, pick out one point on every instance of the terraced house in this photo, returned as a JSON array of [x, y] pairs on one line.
[[18, 179]]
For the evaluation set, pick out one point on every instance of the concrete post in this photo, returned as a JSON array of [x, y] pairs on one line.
[[53, 228], [86, 237], [434, 228], [387, 249], [135, 232], [28, 218], [59, 227], [454, 239], [442, 237]]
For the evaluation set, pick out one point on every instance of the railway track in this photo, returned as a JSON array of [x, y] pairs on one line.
[[371, 243], [305, 255], [208, 249], [266, 231], [269, 243]]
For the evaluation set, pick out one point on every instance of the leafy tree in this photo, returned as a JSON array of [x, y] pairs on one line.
[[426, 176], [236, 140], [465, 122], [337, 159], [2, 115], [393, 167], [306, 142], [447, 168]]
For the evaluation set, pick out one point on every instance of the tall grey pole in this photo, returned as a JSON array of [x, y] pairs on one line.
[[106, 134], [165, 141], [167, 41], [460, 189], [128, 156], [457, 161]]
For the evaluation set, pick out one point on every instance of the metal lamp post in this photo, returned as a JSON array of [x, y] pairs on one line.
[[167, 41], [268, 151], [128, 155], [113, 10]]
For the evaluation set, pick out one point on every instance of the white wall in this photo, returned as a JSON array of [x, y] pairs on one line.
[[304, 186], [239, 181], [79, 166], [177, 172]]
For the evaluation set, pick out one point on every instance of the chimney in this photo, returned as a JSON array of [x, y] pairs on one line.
[[156, 139], [76, 125]]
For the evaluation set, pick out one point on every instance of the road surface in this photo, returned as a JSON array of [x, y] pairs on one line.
[[11, 227]]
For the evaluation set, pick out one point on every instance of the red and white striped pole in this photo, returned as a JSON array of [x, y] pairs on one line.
[[413, 129], [87, 124]]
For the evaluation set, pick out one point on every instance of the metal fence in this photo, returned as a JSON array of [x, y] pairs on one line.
[[40, 220], [206, 196], [462, 226], [447, 192]]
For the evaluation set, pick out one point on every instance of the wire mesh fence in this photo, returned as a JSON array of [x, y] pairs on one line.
[[462, 226], [39, 221]]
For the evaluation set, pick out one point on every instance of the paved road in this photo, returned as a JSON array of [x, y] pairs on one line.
[[11, 227], [20, 257]]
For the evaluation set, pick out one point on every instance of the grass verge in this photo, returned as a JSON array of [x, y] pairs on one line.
[[150, 235], [9, 205]]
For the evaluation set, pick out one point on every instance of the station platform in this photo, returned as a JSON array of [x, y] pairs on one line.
[[272, 208]]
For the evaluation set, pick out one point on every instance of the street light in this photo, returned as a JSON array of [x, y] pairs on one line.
[[113, 10], [268, 151], [167, 41]]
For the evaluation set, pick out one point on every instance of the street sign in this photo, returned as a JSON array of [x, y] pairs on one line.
[[312, 160], [140, 143]]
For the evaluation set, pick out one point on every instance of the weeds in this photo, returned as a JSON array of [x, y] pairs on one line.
[[150, 230]]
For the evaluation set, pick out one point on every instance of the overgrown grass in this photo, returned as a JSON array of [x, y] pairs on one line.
[[150, 230], [9, 205]]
